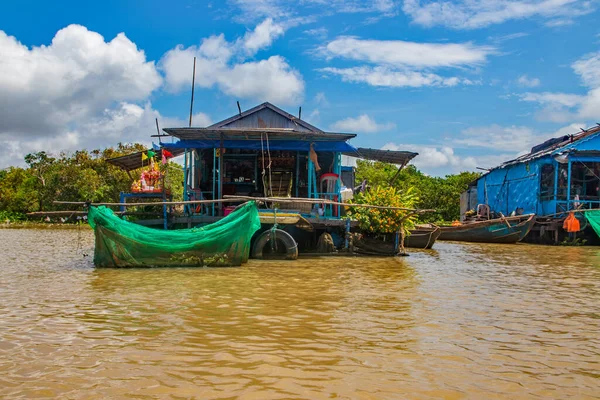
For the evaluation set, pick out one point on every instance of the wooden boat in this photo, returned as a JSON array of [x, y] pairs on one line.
[[374, 246], [500, 230], [422, 237]]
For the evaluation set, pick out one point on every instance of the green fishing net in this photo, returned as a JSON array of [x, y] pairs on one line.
[[120, 243], [593, 218]]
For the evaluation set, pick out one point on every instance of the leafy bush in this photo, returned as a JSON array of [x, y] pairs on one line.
[[11, 216], [381, 221]]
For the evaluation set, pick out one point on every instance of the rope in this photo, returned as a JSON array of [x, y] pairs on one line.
[[262, 149], [273, 234], [269, 166]]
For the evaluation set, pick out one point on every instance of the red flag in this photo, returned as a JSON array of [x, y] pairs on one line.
[[167, 153]]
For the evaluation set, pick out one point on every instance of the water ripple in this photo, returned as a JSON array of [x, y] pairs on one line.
[[463, 321]]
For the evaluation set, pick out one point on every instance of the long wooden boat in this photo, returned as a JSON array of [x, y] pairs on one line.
[[120, 243], [500, 230], [422, 237]]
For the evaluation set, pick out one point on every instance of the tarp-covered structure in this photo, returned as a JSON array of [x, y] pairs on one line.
[[558, 175]]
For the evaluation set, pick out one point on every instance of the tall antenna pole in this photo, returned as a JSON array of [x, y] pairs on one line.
[[193, 84]]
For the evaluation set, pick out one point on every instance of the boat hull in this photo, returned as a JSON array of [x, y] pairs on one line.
[[423, 238], [503, 230]]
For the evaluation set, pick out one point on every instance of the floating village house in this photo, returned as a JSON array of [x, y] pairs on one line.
[[557, 176], [266, 152]]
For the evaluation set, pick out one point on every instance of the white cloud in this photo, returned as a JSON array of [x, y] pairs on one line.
[[73, 78], [321, 99], [252, 10], [383, 76], [362, 124], [563, 99], [398, 53], [126, 122], [262, 36], [510, 36], [320, 33], [79, 91], [561, 107], [513, 139], [397, 63], [588, 67], [314, 117], [526, 81], [472, 14], [218, 64], [433, 158], [486, 146]]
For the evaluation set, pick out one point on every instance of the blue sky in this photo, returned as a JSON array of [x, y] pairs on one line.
[[467, 83]]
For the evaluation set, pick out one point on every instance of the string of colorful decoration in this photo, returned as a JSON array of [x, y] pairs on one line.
[[151, 176]]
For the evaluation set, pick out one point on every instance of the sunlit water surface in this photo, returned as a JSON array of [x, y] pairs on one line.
[[461, 321]]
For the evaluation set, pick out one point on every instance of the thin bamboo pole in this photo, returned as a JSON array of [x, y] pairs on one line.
[[322, 201], [233, 199], [157, 203], [570, 211]]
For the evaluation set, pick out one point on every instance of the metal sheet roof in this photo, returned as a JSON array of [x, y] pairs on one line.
[[389, 156], [133, 161], [254, 134], [265, 115]]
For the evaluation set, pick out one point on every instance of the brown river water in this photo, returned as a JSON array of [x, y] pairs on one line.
[[462, 321]]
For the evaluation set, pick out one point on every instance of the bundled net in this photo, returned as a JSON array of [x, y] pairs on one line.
[[121, 243], [593, 218]]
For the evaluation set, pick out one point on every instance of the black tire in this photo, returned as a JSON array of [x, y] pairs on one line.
[[291, 247]]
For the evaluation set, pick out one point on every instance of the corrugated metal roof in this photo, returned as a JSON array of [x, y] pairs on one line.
[[266, 115], [254, 134], [389, 156], [133, 161]]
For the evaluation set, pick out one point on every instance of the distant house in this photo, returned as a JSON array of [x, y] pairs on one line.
[[558, 175]]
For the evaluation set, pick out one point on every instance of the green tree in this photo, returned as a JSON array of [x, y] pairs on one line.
[[439, 193], [79, 176]]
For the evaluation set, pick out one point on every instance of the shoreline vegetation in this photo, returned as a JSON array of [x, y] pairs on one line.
[[87, 176]]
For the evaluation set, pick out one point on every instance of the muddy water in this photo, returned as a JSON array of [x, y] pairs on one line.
[[462, 321]]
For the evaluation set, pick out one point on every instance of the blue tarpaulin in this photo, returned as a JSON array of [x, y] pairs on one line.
[[299, 145]]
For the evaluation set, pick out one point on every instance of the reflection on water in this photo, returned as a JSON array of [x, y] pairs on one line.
[[461, 321]]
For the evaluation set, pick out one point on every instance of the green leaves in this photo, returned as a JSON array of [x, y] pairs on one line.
[[80, 176], [376, 220], [441, 194]]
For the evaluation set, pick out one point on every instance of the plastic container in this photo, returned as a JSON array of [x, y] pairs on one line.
[[227, 210]]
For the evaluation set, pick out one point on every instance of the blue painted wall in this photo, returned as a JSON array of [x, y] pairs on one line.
[[518, 186], [515, 186]]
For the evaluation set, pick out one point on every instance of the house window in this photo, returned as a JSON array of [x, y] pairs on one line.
[[547, 182]]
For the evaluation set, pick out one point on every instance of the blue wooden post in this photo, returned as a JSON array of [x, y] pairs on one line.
[[569, 186], [556, 168], [297, 171], [214, 179], [346, 243], [311, 169], [338, 187], [164, 214], [185, 180], [221, 163], [122, 200]]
